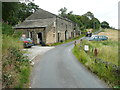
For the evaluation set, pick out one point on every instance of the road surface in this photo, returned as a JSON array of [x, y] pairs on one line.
[[58, 68]]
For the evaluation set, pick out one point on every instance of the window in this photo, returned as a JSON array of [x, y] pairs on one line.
[[54, 24], [66, 26], [54, 31], [53, 35]]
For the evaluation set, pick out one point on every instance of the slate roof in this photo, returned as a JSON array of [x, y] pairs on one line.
[[43, 14], [35, 23], [40, 18], [40, 14]]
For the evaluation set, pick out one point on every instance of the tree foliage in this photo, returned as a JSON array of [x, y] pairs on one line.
[[94, 23], [105, 24], [7, 29], [84, 21], [63, 12], [15, 12], [89, 15], [9, 12]]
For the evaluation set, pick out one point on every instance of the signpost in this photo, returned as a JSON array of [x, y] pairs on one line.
[[86, 48]]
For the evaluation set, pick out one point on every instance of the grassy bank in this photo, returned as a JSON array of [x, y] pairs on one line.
[[112, 34], [105, 64], [66, 41], [15, 66]]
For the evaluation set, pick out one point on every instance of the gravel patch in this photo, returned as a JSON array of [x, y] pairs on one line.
[[35, 51]]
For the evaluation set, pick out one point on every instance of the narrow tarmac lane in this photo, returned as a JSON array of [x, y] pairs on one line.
[[58, 68]]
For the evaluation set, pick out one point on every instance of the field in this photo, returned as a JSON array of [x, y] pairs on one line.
[[112, 34], [105, 62], [111, 50]]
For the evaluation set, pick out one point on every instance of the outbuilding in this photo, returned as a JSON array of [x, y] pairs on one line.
[[45, 27]]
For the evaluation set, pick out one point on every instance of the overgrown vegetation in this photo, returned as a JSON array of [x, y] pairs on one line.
[[105, 64], [15, 66]]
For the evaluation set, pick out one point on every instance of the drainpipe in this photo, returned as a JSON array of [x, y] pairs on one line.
[[56, 31]]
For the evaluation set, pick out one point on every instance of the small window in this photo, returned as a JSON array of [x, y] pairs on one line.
[[66, 26], [95, 37], [54, 24], [54, 31], [53, 35]]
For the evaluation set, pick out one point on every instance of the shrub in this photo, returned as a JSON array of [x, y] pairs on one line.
[[7, 29]]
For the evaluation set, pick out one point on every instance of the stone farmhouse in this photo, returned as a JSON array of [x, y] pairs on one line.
[[45, 27]]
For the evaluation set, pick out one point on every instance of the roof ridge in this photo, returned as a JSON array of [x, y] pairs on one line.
[[49, 13], [38, 19]]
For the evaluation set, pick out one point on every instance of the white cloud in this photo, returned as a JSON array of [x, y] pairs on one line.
[[103, 9]]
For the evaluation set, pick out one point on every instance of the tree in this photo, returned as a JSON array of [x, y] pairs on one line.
[[89, 14], [105, 24], [26, 10], [85, 21], [95, 23], [14, 12], [9, 12], [75, 19], [70, 13], [32, 7], [63, 12]]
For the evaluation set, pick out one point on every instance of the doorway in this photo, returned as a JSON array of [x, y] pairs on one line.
[[71, 34], [39, 37], [66, 35], [30, 35], [58, 37]]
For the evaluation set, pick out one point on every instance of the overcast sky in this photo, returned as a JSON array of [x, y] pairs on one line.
[[104, 10]]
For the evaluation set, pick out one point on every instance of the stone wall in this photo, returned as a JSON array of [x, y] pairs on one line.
[[64, 28], [51, 34]]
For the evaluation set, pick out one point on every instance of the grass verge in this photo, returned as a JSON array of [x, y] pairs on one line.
[[105, 64], [66, 41]]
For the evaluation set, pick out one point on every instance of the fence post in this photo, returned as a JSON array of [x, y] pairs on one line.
[[75, 43], [96, 52]]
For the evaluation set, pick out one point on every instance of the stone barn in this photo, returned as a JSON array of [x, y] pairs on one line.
[[45, 27]]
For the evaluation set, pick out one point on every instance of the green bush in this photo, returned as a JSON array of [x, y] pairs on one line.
[[7, 29]]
